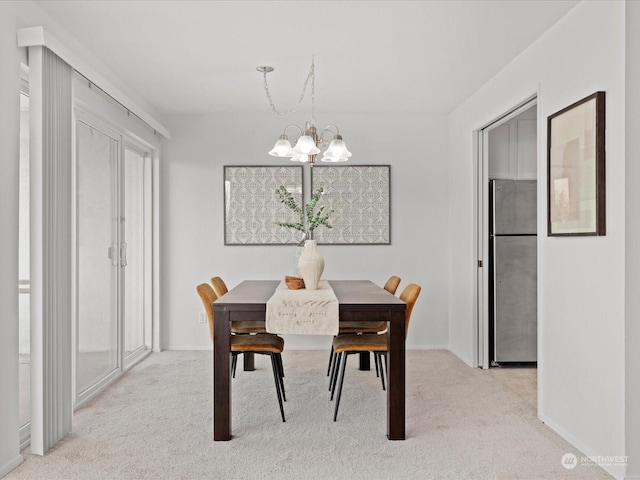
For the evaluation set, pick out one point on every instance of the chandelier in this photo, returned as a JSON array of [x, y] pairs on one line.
[[310, 140]]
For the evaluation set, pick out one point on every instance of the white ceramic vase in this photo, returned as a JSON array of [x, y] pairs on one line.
[[311, 265]]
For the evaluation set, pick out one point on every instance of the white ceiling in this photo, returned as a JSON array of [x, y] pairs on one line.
[[370, 56]]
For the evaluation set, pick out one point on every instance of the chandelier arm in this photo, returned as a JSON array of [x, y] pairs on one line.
[[311, 76], [327, 129], [300, 131]]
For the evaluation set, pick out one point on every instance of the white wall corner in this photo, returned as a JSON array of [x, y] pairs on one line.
[[462, 357], [615, 470]]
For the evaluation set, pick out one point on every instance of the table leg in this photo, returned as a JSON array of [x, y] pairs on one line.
[[365, 363], [221, 376], [396, 377], [248, 363]]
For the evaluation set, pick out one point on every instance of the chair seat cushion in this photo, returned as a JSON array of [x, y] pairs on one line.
[[362, 327], [360, 343], [260, 343], [248, 327]]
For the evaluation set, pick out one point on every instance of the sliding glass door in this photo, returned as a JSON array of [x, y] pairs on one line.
[[97, 152], [113, 212], [136, 170]]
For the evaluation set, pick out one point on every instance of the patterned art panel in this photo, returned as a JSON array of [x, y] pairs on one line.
[[360, 198], [252, 208]]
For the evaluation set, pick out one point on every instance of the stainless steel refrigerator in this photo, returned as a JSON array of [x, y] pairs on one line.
[[513, 229]]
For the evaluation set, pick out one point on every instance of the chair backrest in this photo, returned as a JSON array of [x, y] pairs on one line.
[[208, 296], [409, 295], [219, 286], [392, 284]]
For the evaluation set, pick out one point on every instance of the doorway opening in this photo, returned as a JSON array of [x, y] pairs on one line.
[[507, 242]]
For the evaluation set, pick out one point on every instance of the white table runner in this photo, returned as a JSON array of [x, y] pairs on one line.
[[303, 312]]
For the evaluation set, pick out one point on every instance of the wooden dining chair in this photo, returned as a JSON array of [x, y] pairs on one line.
[[264, 344], [238, 326], [360, 328], [348, 344]]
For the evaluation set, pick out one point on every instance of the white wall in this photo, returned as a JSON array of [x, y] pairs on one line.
[[632, 246], [581, 296], [192, 223]]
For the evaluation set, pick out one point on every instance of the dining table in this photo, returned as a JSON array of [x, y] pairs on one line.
[[359, 300]]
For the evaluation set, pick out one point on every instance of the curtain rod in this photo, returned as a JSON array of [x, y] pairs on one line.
[[92, 84]]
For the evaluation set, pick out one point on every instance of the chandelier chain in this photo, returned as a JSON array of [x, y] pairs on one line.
[[310, 76]]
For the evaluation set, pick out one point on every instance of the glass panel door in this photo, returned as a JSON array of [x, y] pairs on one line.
[[135, 289], [97, 256], [113, 253]]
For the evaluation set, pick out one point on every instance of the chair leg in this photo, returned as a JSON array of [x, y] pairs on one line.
[[274, 367], [334, 368], [281, 375], [343, 367], [281, 364], [375, 359], [334, 373], [386, 369], [234, 361], [384, 355], [336, 359], [331, 359], [382, 370]]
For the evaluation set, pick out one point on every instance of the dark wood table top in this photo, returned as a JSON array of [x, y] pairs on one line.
[[350, 293]]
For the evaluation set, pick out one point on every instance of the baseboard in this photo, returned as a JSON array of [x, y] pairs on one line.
[[617, 471], [427, 347], [187, 348], [11, 465]]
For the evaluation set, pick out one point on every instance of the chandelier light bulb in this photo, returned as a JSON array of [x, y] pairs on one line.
[[330, 159], [300, 158], [282, 148], [306, 146], [337, 148]]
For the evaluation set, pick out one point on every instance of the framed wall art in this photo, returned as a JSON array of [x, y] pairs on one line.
[[252, 208], [360, 197], [576, 168]]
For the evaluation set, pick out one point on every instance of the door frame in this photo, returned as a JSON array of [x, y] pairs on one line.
[[481, 145]]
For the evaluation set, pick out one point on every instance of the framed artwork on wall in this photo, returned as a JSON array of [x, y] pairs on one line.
[[252, 208], [360, 197], [576, 169]]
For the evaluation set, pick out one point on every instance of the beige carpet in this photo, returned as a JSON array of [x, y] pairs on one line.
[[155, 422]]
